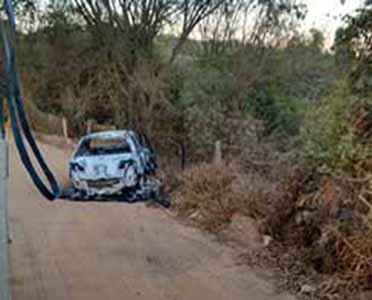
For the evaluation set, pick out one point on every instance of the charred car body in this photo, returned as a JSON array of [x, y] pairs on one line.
[[114, 164]]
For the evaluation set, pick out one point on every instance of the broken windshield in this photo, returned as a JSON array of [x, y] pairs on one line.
[[103, 146]]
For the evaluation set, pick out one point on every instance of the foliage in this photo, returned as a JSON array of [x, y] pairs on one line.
[[337, 138], [337, 133], [354, 43], [281, 113], [246, 82]]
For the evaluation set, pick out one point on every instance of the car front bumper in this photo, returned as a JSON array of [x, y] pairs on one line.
[[100, 187]]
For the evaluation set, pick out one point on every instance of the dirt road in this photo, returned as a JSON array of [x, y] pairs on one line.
[[103, 251]]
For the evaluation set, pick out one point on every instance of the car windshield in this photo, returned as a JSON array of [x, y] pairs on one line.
[[103, 146]]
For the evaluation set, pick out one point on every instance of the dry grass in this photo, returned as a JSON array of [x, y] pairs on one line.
[[206, 195], [326, 221], [354, 255], [211, 195]]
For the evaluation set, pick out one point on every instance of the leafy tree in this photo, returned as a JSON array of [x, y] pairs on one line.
[[354, 44], [317, 39]]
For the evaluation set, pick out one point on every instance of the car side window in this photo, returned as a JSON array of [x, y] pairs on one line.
[[83, 148]]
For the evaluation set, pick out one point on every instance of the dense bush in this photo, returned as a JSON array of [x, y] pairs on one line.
[[337, 133]]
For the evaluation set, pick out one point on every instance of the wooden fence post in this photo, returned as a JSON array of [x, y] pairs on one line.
[[217, 158], [89, 126], [65, 128]]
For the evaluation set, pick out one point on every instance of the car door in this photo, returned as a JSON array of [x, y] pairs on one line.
[[147, 153]]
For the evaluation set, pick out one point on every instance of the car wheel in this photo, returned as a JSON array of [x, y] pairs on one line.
[[131, 175]]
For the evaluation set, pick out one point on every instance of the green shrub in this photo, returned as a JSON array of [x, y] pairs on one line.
[[336, 131], [282, 114]]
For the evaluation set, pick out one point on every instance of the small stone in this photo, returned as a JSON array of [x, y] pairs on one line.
[[195, 215], [245, 231], [266, 240], [307, 289]]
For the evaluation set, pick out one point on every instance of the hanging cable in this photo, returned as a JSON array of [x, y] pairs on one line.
[[18, 119]]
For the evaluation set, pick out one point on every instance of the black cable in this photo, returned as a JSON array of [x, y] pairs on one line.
[[18, 115]]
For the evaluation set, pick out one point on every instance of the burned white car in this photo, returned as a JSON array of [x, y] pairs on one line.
[[114, 163]]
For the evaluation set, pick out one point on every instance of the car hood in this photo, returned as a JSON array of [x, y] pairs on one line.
[[100, 166]]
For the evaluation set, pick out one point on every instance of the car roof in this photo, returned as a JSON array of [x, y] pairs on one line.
[[111, 134]]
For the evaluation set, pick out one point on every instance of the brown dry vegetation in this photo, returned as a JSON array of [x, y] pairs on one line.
[[323, 219], [294, 120]]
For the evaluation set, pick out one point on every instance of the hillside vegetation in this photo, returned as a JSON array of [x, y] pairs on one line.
[[294, 119]]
